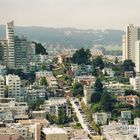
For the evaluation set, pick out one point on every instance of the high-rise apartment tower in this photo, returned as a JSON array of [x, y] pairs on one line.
[[10, 43]]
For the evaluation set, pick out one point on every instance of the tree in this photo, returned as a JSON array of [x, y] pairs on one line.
[[62, 117], [130, 92], [137, 111], [98, 62], [96, 107], [35, 105], [107, 102], [51, 119], [128, 65], [43, 81], [77, 89], [75, 117], [43, 66], [98, 87], [116, 60], [39, 102], [81, 56], [39, 49], [95, 97]]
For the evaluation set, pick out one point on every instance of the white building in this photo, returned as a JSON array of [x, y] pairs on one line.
[[44, 73], [53, 105], [10, 41], [135, 82], [117, 88], [1, 86], [126, 114], [108, 71], [131, 36], [13, 83], [137, 56], [100, 118], [117, 131]]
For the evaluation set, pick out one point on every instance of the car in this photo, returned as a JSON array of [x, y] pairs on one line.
[[77, 103]]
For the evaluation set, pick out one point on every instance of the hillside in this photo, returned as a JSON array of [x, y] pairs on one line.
[[68, 36]]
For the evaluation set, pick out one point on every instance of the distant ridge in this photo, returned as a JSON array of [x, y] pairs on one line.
[[66, 37]]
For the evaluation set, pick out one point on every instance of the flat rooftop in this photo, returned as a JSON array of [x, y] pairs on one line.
[[49, 131]]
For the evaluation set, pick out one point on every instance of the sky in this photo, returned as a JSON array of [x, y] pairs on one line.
[[83, 14]]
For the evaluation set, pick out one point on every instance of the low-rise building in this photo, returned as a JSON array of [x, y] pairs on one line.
[[10, 133], [53, 134], [135, 82], [52, 82], [108, 71], [128, 73], [117, 131], [38, 114], [130, 99], [16, 110], [86, 80], [126, 115], [117, 88], [53, 105], [44, 73], [100, 118], [35, 92], [28, 122]]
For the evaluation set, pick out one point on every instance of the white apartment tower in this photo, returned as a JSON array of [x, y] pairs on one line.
[[13, 83], [1, 86], [10, 42], [129, 39], [137, 56]]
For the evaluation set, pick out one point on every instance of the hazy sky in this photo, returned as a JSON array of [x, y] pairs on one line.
[[96, 14]]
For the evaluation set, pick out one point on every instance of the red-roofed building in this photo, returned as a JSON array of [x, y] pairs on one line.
[[130, 99]]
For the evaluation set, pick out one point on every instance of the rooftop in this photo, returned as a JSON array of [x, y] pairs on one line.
[[48, 131], [56, 101]]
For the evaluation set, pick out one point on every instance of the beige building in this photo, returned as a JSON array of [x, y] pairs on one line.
[[10, 42], [129, 39], [53, 134], [13, 83]]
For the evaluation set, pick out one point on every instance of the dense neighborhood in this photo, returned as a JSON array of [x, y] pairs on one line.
[[68, 94]]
